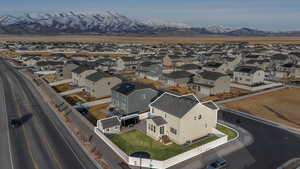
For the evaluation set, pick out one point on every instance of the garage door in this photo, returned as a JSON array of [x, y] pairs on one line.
[[205, 91]]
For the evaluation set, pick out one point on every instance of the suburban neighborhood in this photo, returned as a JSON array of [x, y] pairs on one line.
[[167, 105]]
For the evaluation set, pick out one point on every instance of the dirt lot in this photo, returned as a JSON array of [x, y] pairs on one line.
[[280, 106], [63, 87], [149, 81], [234, 92], [151, 39]]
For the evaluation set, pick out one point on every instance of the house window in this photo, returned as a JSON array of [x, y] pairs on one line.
[[149, 127], [195, 118], [205, 125], [172, 130], [108, 83], [161, 130], [199, 117], [154, 128], [107, 129]]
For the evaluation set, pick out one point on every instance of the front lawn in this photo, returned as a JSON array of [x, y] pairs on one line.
[[135, 140], [229, 132]]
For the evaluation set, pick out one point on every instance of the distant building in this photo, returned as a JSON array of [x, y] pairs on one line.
[[248, 75], [210, 83], [99, 84]]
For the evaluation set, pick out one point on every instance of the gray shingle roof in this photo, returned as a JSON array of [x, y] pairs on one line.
[[80, 69], [247, 69], [158, 120], [178, 75], [175, 105], [210, 105], [110, 122], [211, 75], [97, 76], [128, 87]]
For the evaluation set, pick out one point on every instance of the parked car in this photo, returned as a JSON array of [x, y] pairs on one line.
[[218, 164], [14, 123]]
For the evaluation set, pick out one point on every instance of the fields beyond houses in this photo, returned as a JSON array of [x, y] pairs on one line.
[[280, 106], [151, 39]]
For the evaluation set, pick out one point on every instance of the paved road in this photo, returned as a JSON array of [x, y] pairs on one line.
[[42, 142], [268, 148], [272, 146]]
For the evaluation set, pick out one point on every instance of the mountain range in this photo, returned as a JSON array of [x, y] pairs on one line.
[[110, 23]]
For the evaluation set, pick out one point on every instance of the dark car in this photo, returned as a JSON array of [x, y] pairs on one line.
[[218, 164], [14, 123]]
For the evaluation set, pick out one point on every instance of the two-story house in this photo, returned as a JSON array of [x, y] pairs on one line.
[[99, 84], [132, 97], [80, 73], [248, 75], [210, 83], [127, 63], [181, 119], [149, 70]]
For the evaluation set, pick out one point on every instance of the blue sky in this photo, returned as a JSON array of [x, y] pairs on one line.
[[261, 14]]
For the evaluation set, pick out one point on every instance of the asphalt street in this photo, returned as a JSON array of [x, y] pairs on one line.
[[41, 142]]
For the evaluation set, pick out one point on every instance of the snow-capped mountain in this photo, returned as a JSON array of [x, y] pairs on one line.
[[71, 22], [161, 23], [219, 29], [105, 23]]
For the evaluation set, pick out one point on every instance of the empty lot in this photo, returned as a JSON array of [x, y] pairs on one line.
[[281, 106], [149, 39]]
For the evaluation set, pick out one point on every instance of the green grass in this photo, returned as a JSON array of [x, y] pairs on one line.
[[135, 140], [229, 132]]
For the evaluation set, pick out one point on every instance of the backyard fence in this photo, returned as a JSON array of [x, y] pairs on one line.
[[262, 87]]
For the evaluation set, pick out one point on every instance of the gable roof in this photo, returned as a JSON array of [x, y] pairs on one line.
[[80, 69], [210, 105], [212, 64], [128, 87], [178, 75], [211, 75], [247, 69], [175, 105], [190, 67], [110, 122], [97, 76]]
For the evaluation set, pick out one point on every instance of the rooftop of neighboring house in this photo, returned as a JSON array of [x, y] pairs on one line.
[[212, 64], [190, 67], [209, 75], [127, 88], [82, 68], [247, 69], [110, 122], [98, 76], [49, 63], [178, 75], [279, 57], [128, 58]]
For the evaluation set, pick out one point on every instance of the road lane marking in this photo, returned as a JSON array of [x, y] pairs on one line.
[[23, 128], [6, 116]]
